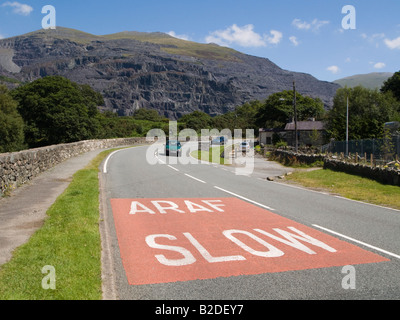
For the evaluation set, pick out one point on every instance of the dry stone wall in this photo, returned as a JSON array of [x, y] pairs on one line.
[[290, 157], [18, 168], [381, 174], [384, 175]]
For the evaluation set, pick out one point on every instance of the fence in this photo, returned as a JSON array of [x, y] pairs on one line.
[[380, 150]]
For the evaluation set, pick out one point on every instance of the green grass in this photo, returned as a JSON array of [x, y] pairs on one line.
[[69, 241], [168, 44], [213, 155], [180, 47], [349, 186]]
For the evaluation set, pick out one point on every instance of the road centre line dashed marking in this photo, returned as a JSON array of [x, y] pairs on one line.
[[195, 178], [357, 241], [246, 199], [173, 168], [157, 157]]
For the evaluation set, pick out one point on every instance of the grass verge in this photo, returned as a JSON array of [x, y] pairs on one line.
[[69, 241], [349, 186], [213, 155]]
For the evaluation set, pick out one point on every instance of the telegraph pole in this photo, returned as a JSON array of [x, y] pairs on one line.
[[295, 117], [347, 128]]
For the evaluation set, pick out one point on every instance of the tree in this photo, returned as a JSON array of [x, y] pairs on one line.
[[197, 120], [243, 117], [246, 115], [57, 110], [11, 123], [368, 111], [278, 109], [392, 85], [148, 114]]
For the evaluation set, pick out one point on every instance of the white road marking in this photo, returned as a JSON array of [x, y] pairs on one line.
[[297, 187], [157, 157], [370, 204], [108, 158], [246, 199], [357, 241], [173, 168], [328, 194], [112, 153], [195, 178]]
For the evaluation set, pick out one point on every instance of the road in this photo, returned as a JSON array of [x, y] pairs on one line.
[[201, 231]]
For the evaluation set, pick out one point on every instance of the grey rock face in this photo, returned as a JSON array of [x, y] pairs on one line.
[[136, 70]]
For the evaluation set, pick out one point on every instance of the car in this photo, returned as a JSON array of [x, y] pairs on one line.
[[173, 146], [219, 140], [245, 146]]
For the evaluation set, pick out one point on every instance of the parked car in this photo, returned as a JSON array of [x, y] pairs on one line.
[[173, 146], [219, 140], [245, 146]]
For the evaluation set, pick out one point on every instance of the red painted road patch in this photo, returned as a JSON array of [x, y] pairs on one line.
[[170, 240]]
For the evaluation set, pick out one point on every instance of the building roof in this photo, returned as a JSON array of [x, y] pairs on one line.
[[306, 126]]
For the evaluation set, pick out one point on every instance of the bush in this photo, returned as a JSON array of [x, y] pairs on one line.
[[281, 144], [57, 110], [11, 124]]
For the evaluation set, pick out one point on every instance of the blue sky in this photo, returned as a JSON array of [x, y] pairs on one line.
[[298, 35]]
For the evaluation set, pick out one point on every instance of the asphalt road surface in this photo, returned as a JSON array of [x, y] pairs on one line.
[[197, 231]]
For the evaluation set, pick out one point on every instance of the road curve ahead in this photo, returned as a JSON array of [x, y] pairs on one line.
[[180, 229]]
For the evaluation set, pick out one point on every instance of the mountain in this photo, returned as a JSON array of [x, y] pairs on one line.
[[372, 80], [152, 70]]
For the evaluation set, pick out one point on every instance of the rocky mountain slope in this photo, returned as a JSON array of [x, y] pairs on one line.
[[152, 70]]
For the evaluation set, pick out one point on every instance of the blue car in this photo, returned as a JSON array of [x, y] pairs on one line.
[[173, 146], [219, 140]]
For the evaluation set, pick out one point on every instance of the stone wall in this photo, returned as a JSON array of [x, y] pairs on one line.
[[288, 157], [381, 174], [18, 168], [384, 175]]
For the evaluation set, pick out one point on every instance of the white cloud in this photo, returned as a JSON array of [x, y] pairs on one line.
[[333, 69], [378, 36], [179, 36], [301, 25], [393, 44], [294, 41], [276, 37], [19, 8], [243, 36], [315, 25], [374, 38], [379, 65]]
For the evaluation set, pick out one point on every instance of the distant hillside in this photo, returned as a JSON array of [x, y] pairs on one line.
[[134, 70], [373, 80]]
